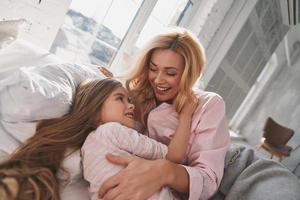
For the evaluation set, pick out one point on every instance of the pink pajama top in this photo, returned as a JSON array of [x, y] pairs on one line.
[[117, 139], [208, 141]]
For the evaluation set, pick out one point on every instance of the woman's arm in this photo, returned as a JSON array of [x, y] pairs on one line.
[[145, 177], [179, 143], [207, 152]]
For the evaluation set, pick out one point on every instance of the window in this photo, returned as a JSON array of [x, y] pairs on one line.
[[93, 30], [165, 13], [109, 32]]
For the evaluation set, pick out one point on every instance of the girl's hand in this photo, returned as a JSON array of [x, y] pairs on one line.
[[189, 108], [139, 180], [106, 72]]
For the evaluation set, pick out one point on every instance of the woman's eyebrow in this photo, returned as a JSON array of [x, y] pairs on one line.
[[167, 68], [174, 68], [152, 63]]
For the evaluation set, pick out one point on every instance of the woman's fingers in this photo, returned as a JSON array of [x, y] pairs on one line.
[[119, 160], [106, 72], [109, 184], [112, 194]]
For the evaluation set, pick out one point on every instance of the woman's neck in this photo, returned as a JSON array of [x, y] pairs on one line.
[[171, 101]]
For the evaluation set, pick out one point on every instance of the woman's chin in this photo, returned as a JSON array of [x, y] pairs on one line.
[[165, 97]]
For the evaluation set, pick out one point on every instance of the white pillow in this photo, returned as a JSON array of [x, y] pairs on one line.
[[9, 31], [24, 54], [41, 92]]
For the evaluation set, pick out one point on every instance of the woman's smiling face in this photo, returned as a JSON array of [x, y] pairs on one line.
[[164, 73]]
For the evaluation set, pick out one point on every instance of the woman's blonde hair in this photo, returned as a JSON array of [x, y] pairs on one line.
[[30, 172], [185, 44]]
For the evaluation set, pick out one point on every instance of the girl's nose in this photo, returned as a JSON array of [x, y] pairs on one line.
[[131, 106]]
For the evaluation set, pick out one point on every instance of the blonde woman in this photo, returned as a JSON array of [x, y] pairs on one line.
[[161, 84]]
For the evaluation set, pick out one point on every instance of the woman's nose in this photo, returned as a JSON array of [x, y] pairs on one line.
[[158, 78]]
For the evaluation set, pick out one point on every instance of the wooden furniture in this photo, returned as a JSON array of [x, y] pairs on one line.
[[275, 138]]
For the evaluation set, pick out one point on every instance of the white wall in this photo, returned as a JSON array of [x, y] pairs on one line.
[[43, 20]]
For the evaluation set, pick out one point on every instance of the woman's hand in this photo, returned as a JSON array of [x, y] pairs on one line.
[[106, 72], [139, 180]]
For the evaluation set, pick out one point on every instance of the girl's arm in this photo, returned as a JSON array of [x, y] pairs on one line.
[[179, 143], [129, 140], [145, 147]]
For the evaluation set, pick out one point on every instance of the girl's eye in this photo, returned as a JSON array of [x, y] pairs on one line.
[[120, 98], [129, 99]]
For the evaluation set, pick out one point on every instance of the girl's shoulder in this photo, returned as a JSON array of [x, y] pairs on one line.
[[105, 130], [109, 125]]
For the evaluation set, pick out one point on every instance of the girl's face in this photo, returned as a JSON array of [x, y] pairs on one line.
[[117, 108], [164, 73]]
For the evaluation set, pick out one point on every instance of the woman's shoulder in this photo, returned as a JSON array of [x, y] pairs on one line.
[[208, 97], [209, 103]]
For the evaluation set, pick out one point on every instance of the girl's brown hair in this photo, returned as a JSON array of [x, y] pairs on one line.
[[30, 172]]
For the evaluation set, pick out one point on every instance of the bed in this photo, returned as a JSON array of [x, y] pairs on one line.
[[245, 175], [15, 129]]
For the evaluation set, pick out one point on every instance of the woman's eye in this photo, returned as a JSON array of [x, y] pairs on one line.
[[129, 99], [171, 73]]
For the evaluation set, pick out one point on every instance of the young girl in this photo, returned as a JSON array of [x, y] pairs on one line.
[[116, 135], [33, 171]]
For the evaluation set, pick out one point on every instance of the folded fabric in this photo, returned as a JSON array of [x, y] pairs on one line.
[[41, 92], [247, 177]]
